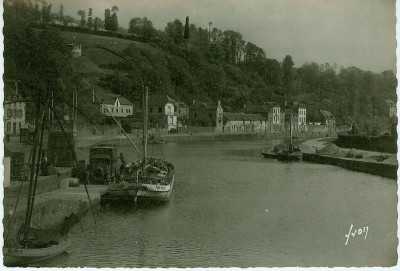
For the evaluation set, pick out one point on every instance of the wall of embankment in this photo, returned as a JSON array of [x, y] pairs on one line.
[[51, 204], [211, 137], [375, 168]]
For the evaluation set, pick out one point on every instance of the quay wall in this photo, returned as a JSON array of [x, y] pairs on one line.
[[44, 184], [86, 142], [49, 210], [369, 143], [375, 168]]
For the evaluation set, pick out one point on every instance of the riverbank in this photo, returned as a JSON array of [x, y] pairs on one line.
[[87, 141], [371, 162]]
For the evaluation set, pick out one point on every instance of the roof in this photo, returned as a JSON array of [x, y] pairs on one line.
[[259, 108], [160, 99], [242, 116], [206, 105], [390, 102], [181, 104], [327, 114], [10, 93], [299, 104], [111, 99]]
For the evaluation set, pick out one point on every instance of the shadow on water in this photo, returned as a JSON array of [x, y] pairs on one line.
[[124, 206]]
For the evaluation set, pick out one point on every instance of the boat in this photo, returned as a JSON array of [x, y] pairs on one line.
[[33, 244], [285, 152], [156, 140], [148, 179]]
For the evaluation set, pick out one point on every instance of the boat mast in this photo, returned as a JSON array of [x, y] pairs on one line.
[[291, 141], [145, 105]]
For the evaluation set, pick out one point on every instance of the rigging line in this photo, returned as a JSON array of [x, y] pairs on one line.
[[38, 162], [19, 192], [77, 109], [32, 171], [76, 160], [119, 125]]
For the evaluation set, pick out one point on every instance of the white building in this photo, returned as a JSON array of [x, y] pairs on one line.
[[162, 113], [76, 49], [244, 123], [14, 111], [117, 106], [392, 108]]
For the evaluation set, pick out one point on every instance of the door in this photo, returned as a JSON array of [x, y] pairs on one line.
[[14, 128]]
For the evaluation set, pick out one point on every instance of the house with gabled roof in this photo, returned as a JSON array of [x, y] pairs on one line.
[[162, 112], [298, 112], [14, 111], [244, 123], [270, 110], [326, 118], [207, 114], [115, 105], [392, 108]]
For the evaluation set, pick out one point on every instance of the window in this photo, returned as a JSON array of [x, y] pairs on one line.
[[160, 110], [116, 110], [112, 110], [210, 115], [8, 126], [9, 113], [151, 109]]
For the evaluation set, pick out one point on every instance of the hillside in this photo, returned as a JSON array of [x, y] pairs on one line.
[[188, 63]]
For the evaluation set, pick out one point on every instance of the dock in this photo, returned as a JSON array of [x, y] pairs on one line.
[[50, 207], [376, 168]]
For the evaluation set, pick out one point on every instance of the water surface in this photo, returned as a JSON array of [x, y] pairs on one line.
[[233, 208]]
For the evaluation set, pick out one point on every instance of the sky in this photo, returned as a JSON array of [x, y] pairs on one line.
[[359, 33]]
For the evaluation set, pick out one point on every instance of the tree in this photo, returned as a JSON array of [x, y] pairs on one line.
[[174, 30], [287, 67], [90, 19], [234, 44], [114, 19], [36, 12], [135, 25], [46, 12], [96, 24], [82, 13], [148, 29], [254, 57], [61, 13], [187, 32], [107, 19]]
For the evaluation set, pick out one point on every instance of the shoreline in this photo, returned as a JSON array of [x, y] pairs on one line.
[[88, 141], [367, 164]]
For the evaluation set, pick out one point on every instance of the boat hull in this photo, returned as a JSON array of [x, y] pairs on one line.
[[24, 256], [139, 192], [160, 193], [283, 156]]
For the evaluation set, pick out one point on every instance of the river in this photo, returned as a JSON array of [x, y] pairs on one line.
[[233, 208]]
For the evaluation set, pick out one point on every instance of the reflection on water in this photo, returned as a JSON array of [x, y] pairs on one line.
[[233, 208]]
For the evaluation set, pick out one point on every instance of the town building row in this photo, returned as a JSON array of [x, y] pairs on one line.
[[170, 115]]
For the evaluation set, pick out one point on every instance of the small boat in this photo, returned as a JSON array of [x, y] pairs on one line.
[[285, 152], [156, 140], [149, 179], [24, 256]]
